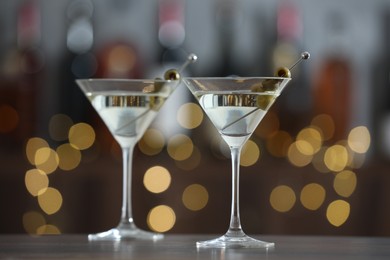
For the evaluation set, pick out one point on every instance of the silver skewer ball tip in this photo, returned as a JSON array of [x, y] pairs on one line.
[[305, 55], [192, 58]]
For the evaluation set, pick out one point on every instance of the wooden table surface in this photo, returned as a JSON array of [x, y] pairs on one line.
[[183, 247]]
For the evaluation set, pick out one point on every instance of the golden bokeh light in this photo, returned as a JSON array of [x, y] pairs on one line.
[[48, 230], [69, 157], [311, 140], [32, 146], [180, 147], [296, 157], [42, 155], [9, 118], [157, 179], [121, 60], [359, 139], [282, 198], [81, 136], [152, 142], [32, 220], [326, 124], [189, 115], [350, 153], [250, 154], [195, 197], [59, 126], [161, 218], [50, 201], [312, 196], [357, 160], [36, 182], [344, 183], [278, 143], [318, 160], [46, 159], [338, 212], [191, 162], [304, 147], [336, 157]]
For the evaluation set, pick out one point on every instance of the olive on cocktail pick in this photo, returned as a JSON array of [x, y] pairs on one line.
[[283, 72], [286, 72], [264, 101], [171, 74], [174, 74]]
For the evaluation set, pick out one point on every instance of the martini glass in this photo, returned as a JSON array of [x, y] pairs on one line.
[[127, 107], [235, 106]]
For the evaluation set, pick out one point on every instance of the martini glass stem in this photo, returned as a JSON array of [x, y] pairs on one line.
[[235, 222], [127, 214], [235, 237], [126, 229]]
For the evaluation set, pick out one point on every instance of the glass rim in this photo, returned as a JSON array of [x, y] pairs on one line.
[[124, 80], [237, 78]]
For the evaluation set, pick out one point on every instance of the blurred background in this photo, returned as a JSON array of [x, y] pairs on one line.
[[317, 164]]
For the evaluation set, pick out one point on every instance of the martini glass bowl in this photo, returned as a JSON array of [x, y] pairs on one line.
[[235, 106], [127, 108]]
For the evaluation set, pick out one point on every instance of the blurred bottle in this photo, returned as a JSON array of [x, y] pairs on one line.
[[79, 60], [225, 14], [22, 76], [239, 40], [119, 59], [288, 35], [332, 86], [171, 32], [119, 56], [295, 101], [171, 36], [380, 113]]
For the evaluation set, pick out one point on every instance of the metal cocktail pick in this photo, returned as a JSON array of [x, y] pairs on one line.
[[304, 56], [190, 59], [174, 74], [171, 74]]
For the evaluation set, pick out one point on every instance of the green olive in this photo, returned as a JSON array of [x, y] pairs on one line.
[[265, 101], [258, 87], [283, 72], [171, 74], [155, 87]]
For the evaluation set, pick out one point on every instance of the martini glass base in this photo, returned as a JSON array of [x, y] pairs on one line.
[[234, 242], [125, 232]]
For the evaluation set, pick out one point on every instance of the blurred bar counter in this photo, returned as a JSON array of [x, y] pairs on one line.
[[183, 247]]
